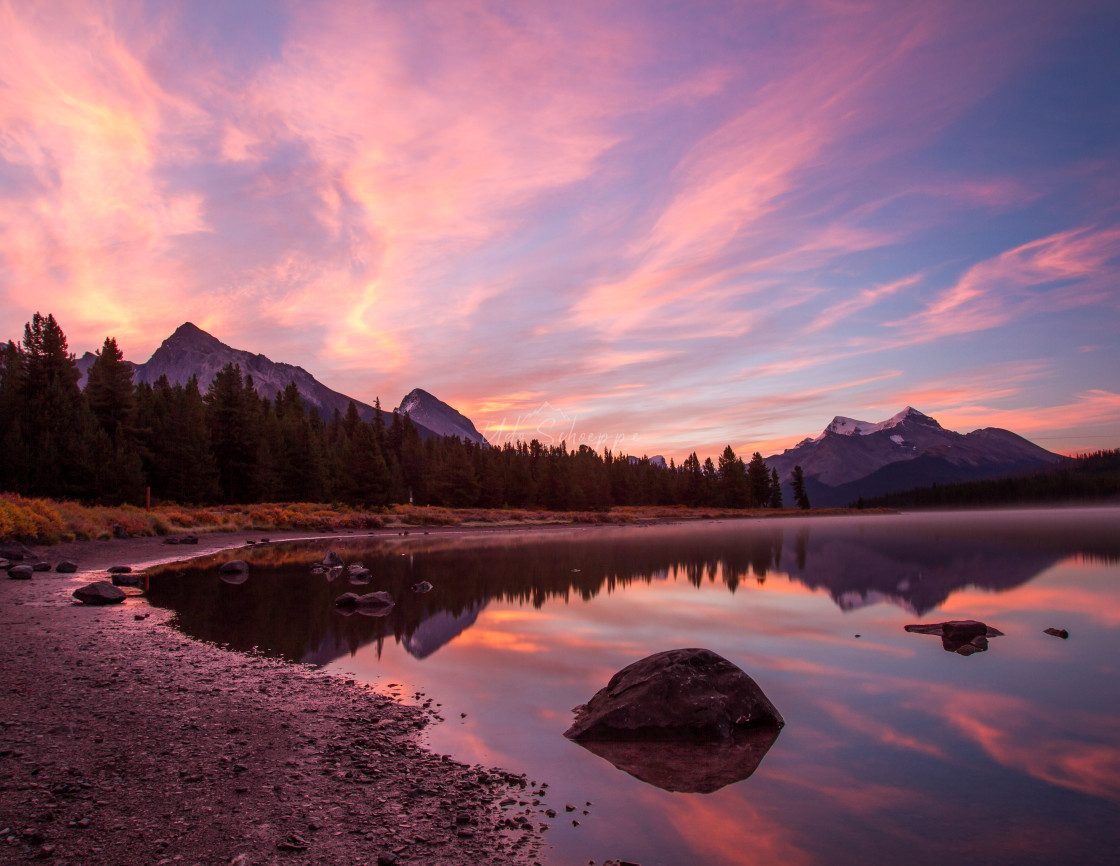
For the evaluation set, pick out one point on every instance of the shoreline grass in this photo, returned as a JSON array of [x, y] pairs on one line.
[[48, 521]]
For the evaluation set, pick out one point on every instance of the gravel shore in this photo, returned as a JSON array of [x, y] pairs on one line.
[[124, 742]]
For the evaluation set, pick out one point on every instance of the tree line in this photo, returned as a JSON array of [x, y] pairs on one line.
[[111, 441], [1092, 476]]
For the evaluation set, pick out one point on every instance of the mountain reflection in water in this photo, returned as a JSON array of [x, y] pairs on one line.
[[284, 610], [894, 750]]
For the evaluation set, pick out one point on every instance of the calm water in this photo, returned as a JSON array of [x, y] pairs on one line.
[[894, 750]]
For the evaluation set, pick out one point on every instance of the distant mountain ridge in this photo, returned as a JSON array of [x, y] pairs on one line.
[[852, 458], [191, 351]]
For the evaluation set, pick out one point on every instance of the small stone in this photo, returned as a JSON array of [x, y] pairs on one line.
[[99, 592], [1057, 632]]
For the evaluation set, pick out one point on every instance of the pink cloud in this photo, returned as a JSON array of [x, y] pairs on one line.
[[1074, 268]]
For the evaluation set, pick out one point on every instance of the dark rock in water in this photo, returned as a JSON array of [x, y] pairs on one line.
[[189, 539], [422, 586], [1057, 632], [679, 695], [101, 592], [41, 566], [964, 636], [234, 572], [66, 567], [119, 531], [264, 541], [370, 604], [361, 577], [332, 559], [119, 569], [20, 572], [171, 541], [689, 768], [136, 580]]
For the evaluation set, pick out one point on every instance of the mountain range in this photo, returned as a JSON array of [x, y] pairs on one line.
[[190, 351], [852, 458], [849, 459]]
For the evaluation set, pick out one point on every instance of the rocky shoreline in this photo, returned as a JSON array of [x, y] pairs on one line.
[[124, 742]]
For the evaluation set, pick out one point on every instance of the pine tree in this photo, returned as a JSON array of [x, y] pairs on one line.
[[758, 481], [775, 489], [799, 494], [233, 442], [110, 393]]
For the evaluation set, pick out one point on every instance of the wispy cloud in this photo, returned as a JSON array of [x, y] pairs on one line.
[[707, 222]]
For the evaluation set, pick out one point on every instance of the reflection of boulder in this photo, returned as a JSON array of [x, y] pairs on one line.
[[685, 720], [438, 630], [683, 694], [689, 768], [963, 636]]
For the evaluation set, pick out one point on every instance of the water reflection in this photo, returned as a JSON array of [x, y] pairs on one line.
[[894, 750], [913, 564], [689, 768]]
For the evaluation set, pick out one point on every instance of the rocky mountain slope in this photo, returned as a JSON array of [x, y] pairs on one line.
[[437, 416], [853, 458], [190, 351]]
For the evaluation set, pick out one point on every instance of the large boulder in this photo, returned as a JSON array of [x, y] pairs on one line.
[[683, 695], [100, 592], [20, 572], [66, 567]]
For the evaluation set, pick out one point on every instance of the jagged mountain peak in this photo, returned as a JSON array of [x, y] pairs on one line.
[[190, 335], [844, 426], [433, 413], [906, 450]]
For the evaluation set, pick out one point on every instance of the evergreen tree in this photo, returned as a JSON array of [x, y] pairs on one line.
[[799, 494], [234, 443], [758, 482], [109, 392], [775, 489]]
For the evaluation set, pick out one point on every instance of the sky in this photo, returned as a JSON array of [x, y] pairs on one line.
[[652, 226]]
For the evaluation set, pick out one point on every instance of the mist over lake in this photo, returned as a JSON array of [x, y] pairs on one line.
[[893, 749]]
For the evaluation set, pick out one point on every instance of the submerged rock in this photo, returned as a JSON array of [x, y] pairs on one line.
[[99, 592], [234, 572], [961, 636], [370, 604], [136, 580], [683, 694], [422, 586]]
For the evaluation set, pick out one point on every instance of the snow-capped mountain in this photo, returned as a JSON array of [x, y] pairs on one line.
[[852, 458], [437, 416]]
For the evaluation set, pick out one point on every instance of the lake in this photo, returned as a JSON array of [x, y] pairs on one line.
[[896, 748]]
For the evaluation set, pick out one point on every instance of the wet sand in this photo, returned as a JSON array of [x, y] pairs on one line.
[[124, 742]]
